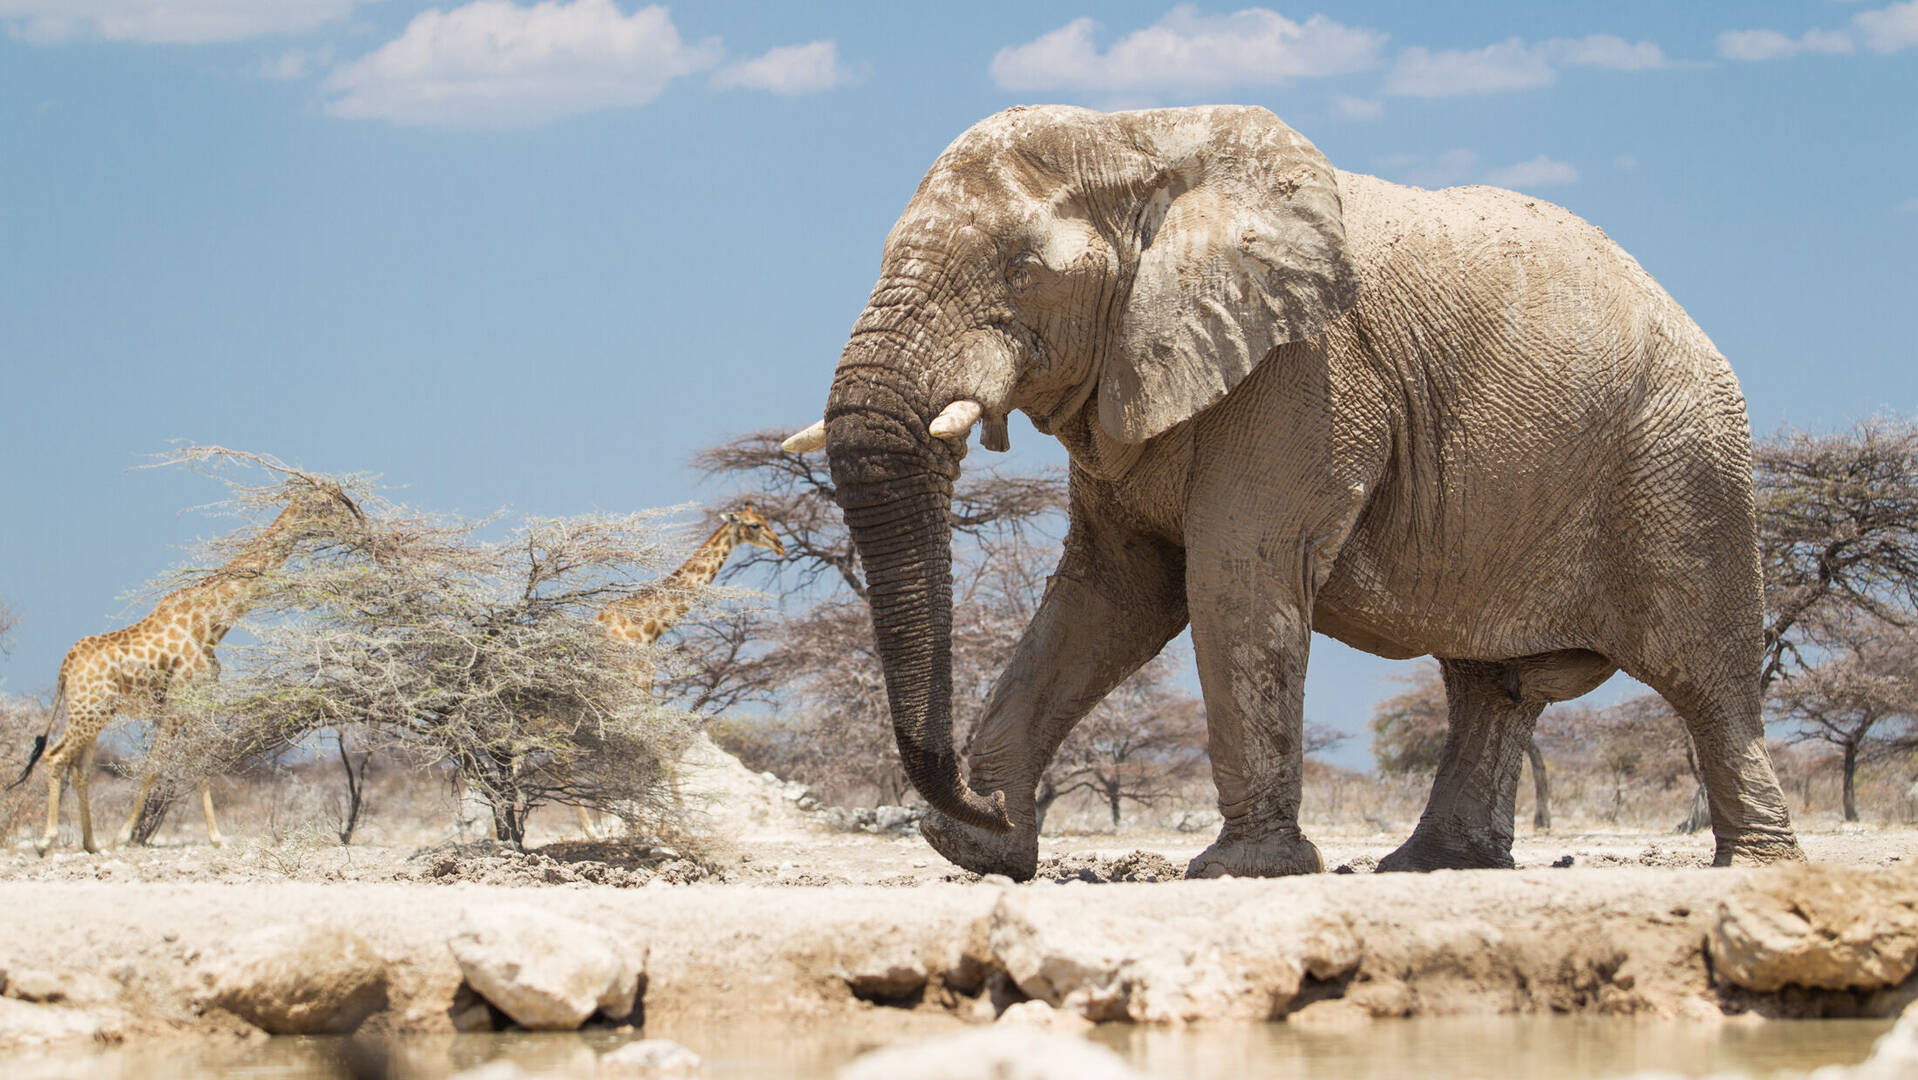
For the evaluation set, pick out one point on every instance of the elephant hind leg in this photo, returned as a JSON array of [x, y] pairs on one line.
[[1467, 822], [1723, 714]]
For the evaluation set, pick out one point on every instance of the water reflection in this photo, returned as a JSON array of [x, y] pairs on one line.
[[1571, 1048]]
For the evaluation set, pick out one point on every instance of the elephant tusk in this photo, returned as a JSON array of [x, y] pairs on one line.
[[957, 420], [813, 438]]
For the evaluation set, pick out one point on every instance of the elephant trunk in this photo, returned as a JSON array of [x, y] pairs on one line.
[[893, 481]]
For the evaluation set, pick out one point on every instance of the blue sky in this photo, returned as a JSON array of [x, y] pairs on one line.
[[534, 255]]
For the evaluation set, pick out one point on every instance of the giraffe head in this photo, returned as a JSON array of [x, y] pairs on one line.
[[320, 509], [750, 527]]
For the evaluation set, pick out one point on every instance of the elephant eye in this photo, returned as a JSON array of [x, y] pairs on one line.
[[1019, 270]]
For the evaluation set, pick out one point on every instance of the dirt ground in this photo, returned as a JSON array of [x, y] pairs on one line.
[[781, 916], [815, 856]]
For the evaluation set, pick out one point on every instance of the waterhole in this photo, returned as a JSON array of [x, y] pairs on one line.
[[1567, 1048]]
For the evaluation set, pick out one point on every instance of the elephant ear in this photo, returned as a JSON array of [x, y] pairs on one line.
[[1242, 248]]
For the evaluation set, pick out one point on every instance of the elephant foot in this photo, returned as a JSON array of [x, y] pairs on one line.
[[1014, 854], [1455, 848], [1273, 855], [1760, 850]]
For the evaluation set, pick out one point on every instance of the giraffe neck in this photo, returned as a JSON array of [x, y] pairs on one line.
[[705, 563], [230, 591], [652, 611]]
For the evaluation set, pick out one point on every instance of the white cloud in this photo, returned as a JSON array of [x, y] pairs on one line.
[[789, 69], [1625, 163], [1886, 30], [1772, 45], [491, 63], [1347, 107], [1513, 65], [1461, 166], [1508, 65], [167, 22], [1539, 172], [294, 63], [1186, 50], [1606, 51], [1909, 206], [1889, 29]]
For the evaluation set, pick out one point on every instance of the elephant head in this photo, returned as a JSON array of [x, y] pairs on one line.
[[1050, 255]]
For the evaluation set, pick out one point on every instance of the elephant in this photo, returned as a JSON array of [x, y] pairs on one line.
[[1461, 423]]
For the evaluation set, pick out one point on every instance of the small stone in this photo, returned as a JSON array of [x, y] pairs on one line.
[[649, 1057], [548, 972], [297, 980], [493, 1070], [1332, 1014], [1043, 1017]]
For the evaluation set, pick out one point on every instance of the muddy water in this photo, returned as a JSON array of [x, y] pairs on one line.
[[1568, 1048]]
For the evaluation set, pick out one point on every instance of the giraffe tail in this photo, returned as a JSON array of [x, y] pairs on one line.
[[40, 740]]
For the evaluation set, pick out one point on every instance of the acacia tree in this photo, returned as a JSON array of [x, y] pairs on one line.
[[1862, 698], [1837, 540], [8, 620], [1137, 746], [451, 647], [1838, 534], [816, 669]]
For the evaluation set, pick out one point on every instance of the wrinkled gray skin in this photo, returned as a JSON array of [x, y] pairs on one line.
[[1461, 423]]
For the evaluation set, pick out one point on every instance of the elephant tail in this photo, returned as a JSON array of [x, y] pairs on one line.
[[40, 740]]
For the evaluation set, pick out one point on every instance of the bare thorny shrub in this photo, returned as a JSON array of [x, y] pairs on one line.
[[430, 642]]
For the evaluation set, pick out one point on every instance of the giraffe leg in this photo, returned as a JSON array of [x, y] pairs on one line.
[[586, 823], [212, 827], [56, 767], [82, 777]]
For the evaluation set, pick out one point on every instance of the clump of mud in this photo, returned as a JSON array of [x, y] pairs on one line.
[[1653, 855], [491, 863], [1132, 866]]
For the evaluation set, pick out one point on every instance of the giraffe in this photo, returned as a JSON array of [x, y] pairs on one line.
[[104, 673], [640, 617]]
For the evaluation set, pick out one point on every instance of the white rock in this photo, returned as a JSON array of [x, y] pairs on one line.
[[1247, 965], [548, 972], [649, 1057], [296, 979], [1817, 926], [993, 1053]]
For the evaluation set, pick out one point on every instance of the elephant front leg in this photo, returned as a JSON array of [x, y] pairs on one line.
[[1467, 822], [1251, 636], [1102, 617]]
